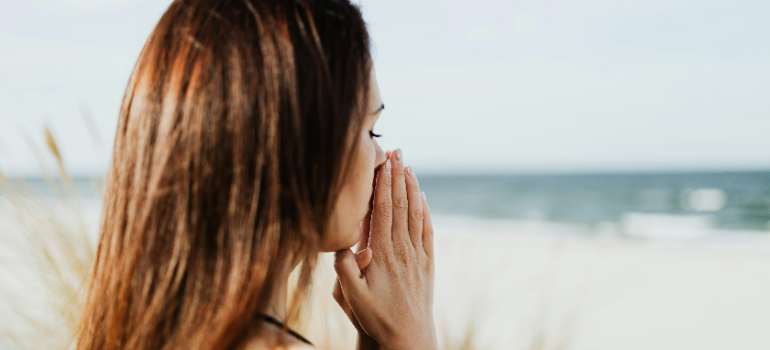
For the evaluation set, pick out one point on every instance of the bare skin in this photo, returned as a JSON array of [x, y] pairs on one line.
[[391, 301], [386, 289]]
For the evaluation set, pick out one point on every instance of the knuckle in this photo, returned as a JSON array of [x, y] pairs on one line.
[[385, 210], [387, 182], [428, 264], [402, 256], [388, 258], [417, 215], [401, 203], [382, 252], [337, 294]]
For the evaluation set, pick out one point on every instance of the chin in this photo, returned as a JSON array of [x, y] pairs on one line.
[[341, 242], [352, 240]]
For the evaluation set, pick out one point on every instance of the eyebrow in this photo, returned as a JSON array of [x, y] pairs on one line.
[[379, 109]]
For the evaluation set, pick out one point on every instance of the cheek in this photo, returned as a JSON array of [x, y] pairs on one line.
[[366, 175], [362, 184], [362, 170], [353, 202]]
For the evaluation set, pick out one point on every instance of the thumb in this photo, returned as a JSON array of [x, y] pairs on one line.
[[348, 272], [363, 258]]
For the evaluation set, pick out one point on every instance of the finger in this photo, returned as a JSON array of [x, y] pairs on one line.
[[363, 258], [427, 228], [382, 213], [363, 227], [400, 202], [339, 297], [415, 208], [351, 280]]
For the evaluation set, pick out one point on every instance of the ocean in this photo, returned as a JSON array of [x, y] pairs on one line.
[[727, 200], [721, 200]]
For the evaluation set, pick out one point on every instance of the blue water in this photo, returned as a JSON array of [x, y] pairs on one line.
[[581, 198], [594, 198]]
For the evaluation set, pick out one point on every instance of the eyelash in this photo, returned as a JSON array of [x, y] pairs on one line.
[[373, 135]]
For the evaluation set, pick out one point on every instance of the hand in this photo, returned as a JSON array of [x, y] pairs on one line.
[[363, 258], [393, 298]]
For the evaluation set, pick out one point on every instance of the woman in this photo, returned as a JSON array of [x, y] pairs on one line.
[[244, 148]]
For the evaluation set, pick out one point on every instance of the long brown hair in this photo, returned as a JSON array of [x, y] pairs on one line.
[[232, 139]]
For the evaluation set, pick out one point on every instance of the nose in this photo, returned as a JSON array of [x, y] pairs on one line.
[[380, 156]]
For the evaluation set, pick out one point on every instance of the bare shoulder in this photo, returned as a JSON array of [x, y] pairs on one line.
[[302, 346], [263, 344]]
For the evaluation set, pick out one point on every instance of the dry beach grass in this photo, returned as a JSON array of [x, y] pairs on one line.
[[47, 254]]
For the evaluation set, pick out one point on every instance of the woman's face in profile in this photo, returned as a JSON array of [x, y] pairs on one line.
[[353, 202]]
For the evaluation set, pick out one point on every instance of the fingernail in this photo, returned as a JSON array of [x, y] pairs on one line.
[[387, 166], [408, 171], [398, 155]]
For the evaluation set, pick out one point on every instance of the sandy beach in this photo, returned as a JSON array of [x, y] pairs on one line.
[[522, 281], [542, 285]]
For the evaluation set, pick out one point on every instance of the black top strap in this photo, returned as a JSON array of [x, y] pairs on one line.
[[275, 322]]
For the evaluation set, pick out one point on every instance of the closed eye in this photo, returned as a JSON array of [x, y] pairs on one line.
[[373, 135]]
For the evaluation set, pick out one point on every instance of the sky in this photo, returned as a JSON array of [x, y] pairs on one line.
[[484, 86]]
